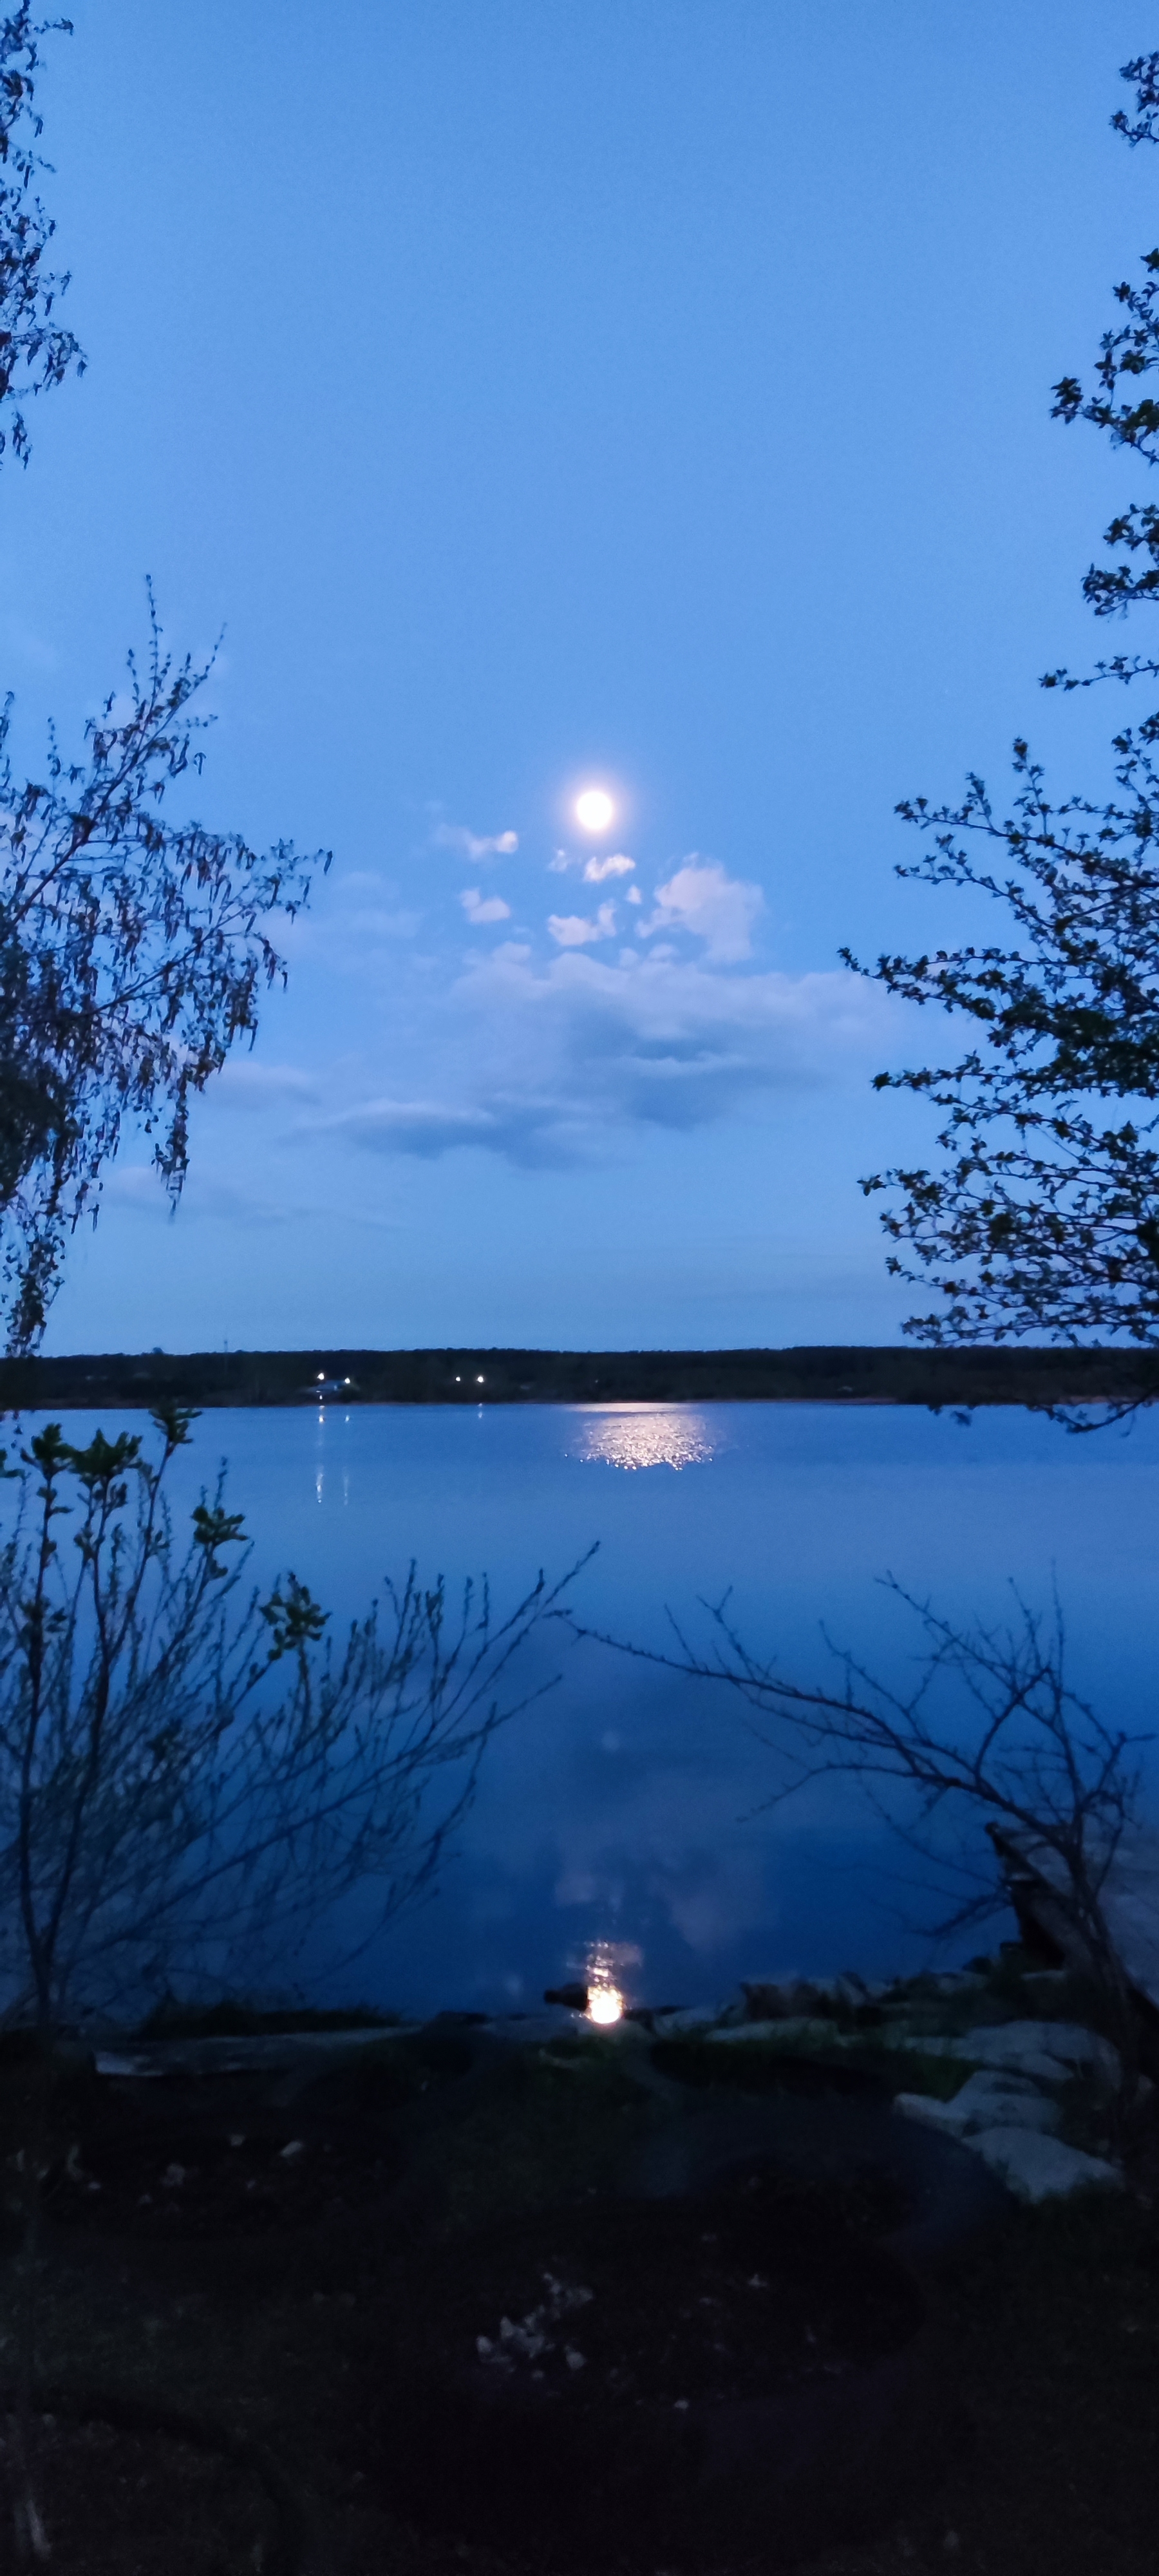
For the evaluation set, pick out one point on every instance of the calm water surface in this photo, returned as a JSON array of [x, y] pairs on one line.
[[624, 1808]]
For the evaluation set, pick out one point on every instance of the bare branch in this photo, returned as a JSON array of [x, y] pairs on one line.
[[192, 1774]]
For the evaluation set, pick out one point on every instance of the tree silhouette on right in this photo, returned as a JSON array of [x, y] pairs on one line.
[[1043, 1215]]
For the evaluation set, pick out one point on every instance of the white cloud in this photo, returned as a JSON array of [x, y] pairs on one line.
[[475, 845], [634, 895], [597, 870], [570, 930], [479, 910], [716, 908], [244, 1084], [546, 1062]]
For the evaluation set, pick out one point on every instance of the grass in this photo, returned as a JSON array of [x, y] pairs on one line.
[[546, 2124], [1057, 2341], [1055, 2328], [899, 2070], [235, 2018]]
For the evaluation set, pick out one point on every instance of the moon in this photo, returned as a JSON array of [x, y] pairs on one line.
[[594, 809]]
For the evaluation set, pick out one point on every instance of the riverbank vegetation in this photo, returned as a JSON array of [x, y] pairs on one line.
[[837, 1374]]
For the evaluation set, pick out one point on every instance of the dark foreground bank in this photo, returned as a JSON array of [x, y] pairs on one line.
[[837, 1375], [457, 2303]]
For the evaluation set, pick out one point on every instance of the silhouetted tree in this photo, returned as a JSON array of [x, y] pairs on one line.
[[1044, 1216], [134, 946], [191, 1777], [35, 352], [133, 952], [985, 1733]]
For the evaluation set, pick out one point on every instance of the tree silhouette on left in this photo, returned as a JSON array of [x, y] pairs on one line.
[[134, 945]]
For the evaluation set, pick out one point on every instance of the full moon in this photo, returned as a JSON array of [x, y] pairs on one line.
[[594, 809]]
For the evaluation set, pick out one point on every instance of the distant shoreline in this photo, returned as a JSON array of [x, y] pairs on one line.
[[843, 1374]]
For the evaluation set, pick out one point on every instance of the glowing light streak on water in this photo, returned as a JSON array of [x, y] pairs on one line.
[[644, 1435]]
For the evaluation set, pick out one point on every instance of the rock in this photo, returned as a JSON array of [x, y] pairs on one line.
[[1039, 2168], [1067, 2043], [1027, 2061], [983, 2104], [770, 2000], [931, 2114], [1050, 2050], [746, 2033], [574, 1998], [266, 2055], [990, 2100]]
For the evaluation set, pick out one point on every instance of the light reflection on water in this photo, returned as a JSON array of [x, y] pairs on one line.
[[605, 1967], [643, 1435]]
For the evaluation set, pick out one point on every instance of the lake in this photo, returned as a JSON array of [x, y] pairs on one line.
[[624, 1809]]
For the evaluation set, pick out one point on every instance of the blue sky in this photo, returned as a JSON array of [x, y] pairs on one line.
[[642, 393]]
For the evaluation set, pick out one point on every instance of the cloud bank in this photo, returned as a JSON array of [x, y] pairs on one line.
[[551, 1058], [551, 1043]]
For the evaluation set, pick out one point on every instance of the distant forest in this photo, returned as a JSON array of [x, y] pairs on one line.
[[937, 1378]]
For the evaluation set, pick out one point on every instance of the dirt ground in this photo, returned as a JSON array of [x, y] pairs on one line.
[[275, 2296]]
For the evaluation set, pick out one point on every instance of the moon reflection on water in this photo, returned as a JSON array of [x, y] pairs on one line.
[[643, 1435]]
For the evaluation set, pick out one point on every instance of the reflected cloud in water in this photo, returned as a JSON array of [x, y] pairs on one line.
[[643, 1435]]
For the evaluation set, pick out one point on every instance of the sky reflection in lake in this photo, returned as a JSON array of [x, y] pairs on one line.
[[628, 1806]]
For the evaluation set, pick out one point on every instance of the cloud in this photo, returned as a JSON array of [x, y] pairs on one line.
[[570, 930], [716, 908], [242, 1084], [597, 870], [428, 1128], [479, 910], [475, 845], [550, 1062]]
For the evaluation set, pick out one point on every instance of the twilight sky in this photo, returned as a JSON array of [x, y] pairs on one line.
[[650, 395]]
